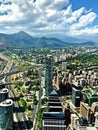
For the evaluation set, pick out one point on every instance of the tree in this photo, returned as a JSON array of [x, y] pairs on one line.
[[23, 103], [43, 101]]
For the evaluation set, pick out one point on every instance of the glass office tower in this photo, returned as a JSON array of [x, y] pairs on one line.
[[6, 115], [3, 94]]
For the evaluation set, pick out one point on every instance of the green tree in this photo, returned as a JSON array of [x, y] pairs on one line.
[[23, 103]]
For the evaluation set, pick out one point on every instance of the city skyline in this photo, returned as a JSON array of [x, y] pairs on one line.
[[50, 18]]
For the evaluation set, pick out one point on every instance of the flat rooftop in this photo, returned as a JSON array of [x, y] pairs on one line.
[[87, 128], [54, 103], [53, 115], [6, 103], [4, 90]]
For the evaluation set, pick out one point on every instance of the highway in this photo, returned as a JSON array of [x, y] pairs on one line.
[[23, 122], [13, 71]]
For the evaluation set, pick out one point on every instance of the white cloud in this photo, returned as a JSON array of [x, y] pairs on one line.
[[58, 4], [87, 31], [46, 16], [75, 15], [84, 20]]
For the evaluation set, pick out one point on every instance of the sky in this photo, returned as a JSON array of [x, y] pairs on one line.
[[73, 18]]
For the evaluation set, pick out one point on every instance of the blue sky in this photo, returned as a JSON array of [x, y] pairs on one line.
[[61, 18], [88, 4]]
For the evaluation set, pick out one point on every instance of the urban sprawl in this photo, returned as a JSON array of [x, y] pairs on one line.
[[49, 89]]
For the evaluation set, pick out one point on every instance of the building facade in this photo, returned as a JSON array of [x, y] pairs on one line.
[[3, 94], [76, 97], [6, 115], [48, 74], [53, 121], [91, 97], [85, 110]]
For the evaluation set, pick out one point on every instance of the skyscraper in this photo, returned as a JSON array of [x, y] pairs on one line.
[[2, 86], [76, 97], [54, 104], [53, 121], [48, 74], [3, 94], [6, 115]]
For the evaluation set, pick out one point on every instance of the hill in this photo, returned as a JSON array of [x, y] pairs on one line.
[[23, 39]]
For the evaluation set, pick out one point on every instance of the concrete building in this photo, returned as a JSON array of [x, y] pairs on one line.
[[87, 128], [94, 107], [83, 82], [3, 94], [48, 74], [53, 121], [64, 65], [96, 119], [67, 114], [59, 80], [74, 121], [6, 115], [84, 110], [76, 97], [2, 86], [70, 77], [91, 97], [54, 104]]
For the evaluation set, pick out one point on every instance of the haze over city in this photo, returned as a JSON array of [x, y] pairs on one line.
[[58, 18]]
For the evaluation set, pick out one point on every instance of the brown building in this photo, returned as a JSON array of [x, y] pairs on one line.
[[94, 107], [84, 110]]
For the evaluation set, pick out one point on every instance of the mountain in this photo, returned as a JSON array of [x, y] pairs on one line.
[[67, 38], [20, 38], [23, 39]]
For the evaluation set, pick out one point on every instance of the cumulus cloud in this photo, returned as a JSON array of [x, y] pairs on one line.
[[84, 20], [46, 16]]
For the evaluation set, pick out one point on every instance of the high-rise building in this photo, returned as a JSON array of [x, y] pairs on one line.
[[84, 110], [64, 66], [74, 121], [94, 107], [91, 97], [49, 74], [2, 86], [96, 119], [67, 114], [76, 97], [87, 128], [3, 94], [54, 104], [6, 115], [70, 77], [53, 121]]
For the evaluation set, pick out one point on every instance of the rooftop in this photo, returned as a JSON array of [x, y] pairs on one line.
[[53, 115], [87, 128], [6, 103], [4, 90]]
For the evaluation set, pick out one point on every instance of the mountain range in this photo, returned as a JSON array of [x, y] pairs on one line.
[[23, 39]]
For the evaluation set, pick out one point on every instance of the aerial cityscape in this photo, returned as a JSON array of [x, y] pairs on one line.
[[48, 65]]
